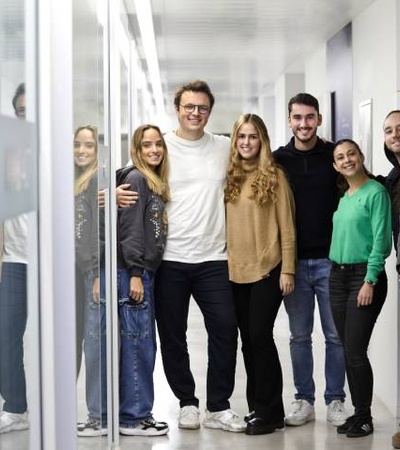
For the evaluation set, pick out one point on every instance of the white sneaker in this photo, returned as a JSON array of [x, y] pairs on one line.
[[13, 422], [146, 427], [224, 420], [91, 428], [302, 413], [336, 413], [189, 418]]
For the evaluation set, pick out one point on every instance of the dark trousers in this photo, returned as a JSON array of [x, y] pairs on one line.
[[13, 317], [209, 285], [355, 325], [257, 305]]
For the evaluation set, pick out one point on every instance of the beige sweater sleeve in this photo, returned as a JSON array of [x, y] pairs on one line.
[[286, 224]]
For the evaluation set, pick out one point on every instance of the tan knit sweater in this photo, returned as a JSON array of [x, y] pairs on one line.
[[260, 237]]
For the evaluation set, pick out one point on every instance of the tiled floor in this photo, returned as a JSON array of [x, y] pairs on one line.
[[317, 435], [313, 436]]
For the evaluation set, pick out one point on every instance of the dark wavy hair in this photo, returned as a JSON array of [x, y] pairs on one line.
[[342, 183], [303, 98]]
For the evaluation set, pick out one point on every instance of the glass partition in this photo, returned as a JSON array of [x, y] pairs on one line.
[[89, 124], [19, 305]]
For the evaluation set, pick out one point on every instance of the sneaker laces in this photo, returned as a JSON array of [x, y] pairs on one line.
[[337, 407], [299, 404], [232, 414], [229, 415]]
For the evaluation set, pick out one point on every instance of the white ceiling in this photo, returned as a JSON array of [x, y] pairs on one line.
[[240, 46]]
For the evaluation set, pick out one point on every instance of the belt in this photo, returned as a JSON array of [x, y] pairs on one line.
[[349, 266]]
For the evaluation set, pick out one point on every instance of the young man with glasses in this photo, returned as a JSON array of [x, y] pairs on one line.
[[195, 263]]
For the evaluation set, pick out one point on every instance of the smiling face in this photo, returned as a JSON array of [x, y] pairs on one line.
[[85, 148], [192, 124], [152, 148], [391, 131], [20, 107], [348, 160], [304, 121], [248, 141]]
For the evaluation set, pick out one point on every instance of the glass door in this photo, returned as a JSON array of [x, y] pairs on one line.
[[19, 306], [87, 146]]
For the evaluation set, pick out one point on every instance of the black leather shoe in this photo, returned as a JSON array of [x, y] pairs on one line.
[[361, 427], [258, 425], [249, 416], [343, 429]]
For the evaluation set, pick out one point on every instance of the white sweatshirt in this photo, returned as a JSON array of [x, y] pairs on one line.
[[15, 245], [196, 213]]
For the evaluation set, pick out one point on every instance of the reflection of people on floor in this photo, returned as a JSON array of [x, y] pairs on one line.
[[13, 310], [90, 307]]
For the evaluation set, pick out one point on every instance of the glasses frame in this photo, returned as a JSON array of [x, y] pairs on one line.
[[201, 109]]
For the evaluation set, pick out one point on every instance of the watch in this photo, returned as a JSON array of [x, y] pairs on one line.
[[372, 283]]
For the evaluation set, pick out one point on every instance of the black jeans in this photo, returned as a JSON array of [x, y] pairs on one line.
[[355, 325], [257, 305], [209, 285]]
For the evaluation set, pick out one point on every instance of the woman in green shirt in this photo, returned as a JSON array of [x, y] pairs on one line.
[[361, 241]]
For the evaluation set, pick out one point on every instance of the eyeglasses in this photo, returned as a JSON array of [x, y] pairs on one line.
[[202, 109]]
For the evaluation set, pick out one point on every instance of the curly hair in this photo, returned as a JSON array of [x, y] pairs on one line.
[[265, 183]]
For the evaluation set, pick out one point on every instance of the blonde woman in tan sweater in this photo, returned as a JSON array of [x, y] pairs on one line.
[[261, 260]]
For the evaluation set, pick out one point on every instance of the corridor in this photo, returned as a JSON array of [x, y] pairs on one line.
[[318, 435]]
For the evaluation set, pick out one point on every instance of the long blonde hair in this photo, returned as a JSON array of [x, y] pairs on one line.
[[265, 183], [83, 176], [157, 180]]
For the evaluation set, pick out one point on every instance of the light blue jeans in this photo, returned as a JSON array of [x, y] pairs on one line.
[[312, 282], [95, 351], [138, 350]]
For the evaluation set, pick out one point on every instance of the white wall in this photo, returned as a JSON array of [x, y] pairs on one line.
[[316, 83], [286, 87], [375, 73], [375, 76], [266, 110]]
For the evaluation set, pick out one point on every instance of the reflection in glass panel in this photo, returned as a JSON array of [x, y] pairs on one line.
[[18, 259], [125, 139], [12, 52], [90, 305], [89, 297]]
